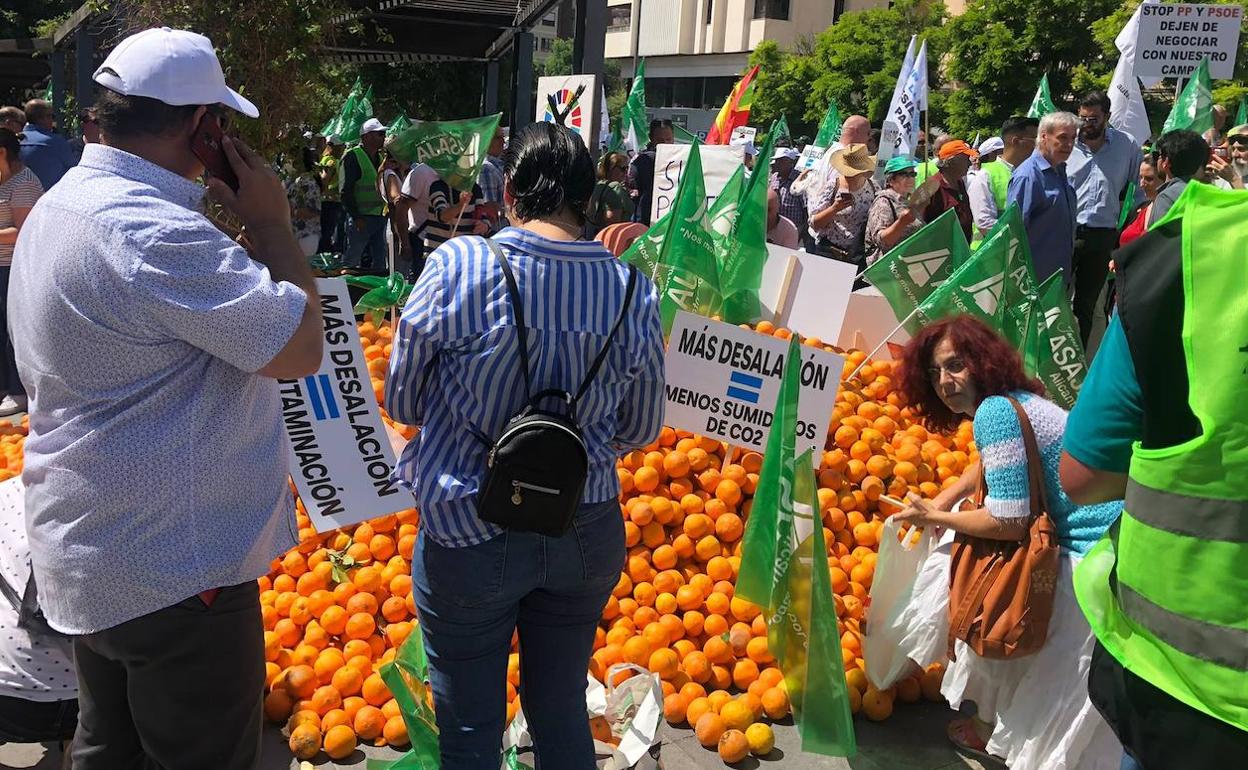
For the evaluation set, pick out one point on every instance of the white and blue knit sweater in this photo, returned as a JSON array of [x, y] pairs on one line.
[[999, 438]]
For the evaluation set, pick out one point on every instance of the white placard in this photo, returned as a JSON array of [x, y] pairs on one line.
[[1174, 37], [818, 292], [810, 157], [719, 163], [743, 134], [722, 381], [569, 100], [340, 456]]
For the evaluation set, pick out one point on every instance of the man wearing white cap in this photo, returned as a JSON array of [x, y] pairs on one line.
[[156, 476], [783, 174], [361, 198], [998, 156]]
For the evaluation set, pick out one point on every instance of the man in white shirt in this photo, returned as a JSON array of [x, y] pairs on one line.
[[988, 185], [416, 190]]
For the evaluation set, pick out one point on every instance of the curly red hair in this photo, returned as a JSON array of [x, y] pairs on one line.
[[994, 365]]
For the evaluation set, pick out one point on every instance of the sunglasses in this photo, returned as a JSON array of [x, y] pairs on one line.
[[905, 173], [1242, 139]]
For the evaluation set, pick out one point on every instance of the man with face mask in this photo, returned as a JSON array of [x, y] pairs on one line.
[[1103, 165]]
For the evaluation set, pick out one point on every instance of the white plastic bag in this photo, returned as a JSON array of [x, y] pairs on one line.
[[889, 621], [633, 709]]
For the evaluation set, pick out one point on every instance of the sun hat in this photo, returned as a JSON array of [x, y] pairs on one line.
[[955, 147], [173, 66], [990, 145], [899, 163], [372, 126], [852, 160]]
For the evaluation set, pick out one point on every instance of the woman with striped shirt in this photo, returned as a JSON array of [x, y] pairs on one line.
[[456, 372], [1033, 711]]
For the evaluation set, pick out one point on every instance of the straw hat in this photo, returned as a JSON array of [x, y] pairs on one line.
[[853, 160]]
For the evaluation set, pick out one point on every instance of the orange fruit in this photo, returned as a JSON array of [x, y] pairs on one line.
[[736, 714], [325, 699], [300, 681], [664, 662], [758, 650], [698, 666], [277, 706], [760, 738], [697, 707], [744, 672], [374, 690], [876, 705], [675, 708], [708, 729], [368, 722], [305, 741], [395, 732], [339, 741], [348, 680], [733, 746], [717, 650], [360, 626], [776, 703]]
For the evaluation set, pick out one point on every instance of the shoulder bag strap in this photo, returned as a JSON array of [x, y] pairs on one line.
[[1035, 468], [602, 354], [517, 307]]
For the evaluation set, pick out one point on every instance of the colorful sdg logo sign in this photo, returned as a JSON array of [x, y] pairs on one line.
[[574, 117]]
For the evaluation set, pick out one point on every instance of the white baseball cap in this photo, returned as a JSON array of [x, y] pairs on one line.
[[173, 66], [372, 125], [990, 145], [783, 153]]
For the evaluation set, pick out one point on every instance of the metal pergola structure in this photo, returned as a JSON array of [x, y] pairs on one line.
[[369, 32]]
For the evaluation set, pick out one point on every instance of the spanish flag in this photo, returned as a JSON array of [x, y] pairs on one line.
[[736, 109]]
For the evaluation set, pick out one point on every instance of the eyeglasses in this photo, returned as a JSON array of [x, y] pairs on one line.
[[1241, 139], [953, 366]]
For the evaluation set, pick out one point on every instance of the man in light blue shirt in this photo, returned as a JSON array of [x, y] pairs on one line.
[[1105, 164], [156, 476], [46, 152], [1045, 197]]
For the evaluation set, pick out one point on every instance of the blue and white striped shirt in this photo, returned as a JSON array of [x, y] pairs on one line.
[[460, 322]]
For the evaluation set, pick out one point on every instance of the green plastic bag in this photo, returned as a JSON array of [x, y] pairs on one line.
[[384, 292], [407, 677]]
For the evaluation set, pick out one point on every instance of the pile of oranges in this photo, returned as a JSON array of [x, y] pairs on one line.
[[12, 440], [338, 607]]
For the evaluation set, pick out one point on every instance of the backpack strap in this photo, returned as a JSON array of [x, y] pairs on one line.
[[517, 307], [602, 354]]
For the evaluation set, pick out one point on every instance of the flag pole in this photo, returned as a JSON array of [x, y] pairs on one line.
[[927, 136], [883, 342]]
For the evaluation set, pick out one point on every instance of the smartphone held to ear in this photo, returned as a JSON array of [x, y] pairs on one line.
[[206, 144]]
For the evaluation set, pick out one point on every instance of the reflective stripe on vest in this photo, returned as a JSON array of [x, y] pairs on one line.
[[1167, 592]]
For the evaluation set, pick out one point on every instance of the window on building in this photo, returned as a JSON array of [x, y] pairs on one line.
[[548, 20], [543, 44], [710, 7], [619, 17], [771, 9]]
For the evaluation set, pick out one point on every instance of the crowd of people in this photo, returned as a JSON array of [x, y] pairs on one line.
[[170, 337]]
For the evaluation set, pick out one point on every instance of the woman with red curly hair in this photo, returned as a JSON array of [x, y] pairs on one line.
[[1033, 712]]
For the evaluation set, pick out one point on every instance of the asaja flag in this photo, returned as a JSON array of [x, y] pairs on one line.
[[976, 288], [784, 570], [684, 268], [1060, 359], [914, 268], [1193, 110], [1127, 112], [742, 255], [736, 109], [1042, 103], [829, 127], [335, 125], [1020, 290], [634, 128], [353, 119], [400, 123], [454, 148], [722, 214]]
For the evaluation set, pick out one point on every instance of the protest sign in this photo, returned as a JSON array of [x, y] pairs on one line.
[[722, 381], [568, 100], [340, 456], [813, 300], [743, 134], [719, 162], [1174, 37]]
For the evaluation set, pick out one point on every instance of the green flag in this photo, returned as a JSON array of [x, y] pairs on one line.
[[684, 269], [1241, 115], [361, 111], [784, 570], [829, 127], [1060, 359], [722, 214], [616, 142], [976, 288], [454, 148], [406, 677], [634, 127], [683, 135], [337, 124], [742, 255], [1042, 103], [911, 271], [1020, 290], [1193, 110], [400, 123]]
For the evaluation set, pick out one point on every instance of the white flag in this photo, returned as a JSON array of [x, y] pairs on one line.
[[910, 103], [906, 64], [1126, 103]]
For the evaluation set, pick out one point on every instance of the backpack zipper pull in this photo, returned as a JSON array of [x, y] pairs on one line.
[[516, 499]]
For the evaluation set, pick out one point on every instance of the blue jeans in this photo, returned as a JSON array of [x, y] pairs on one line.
[[552, 590], [366, 248], [1129, 763]]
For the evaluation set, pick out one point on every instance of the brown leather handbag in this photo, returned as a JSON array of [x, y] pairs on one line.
[[1001, 592]]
